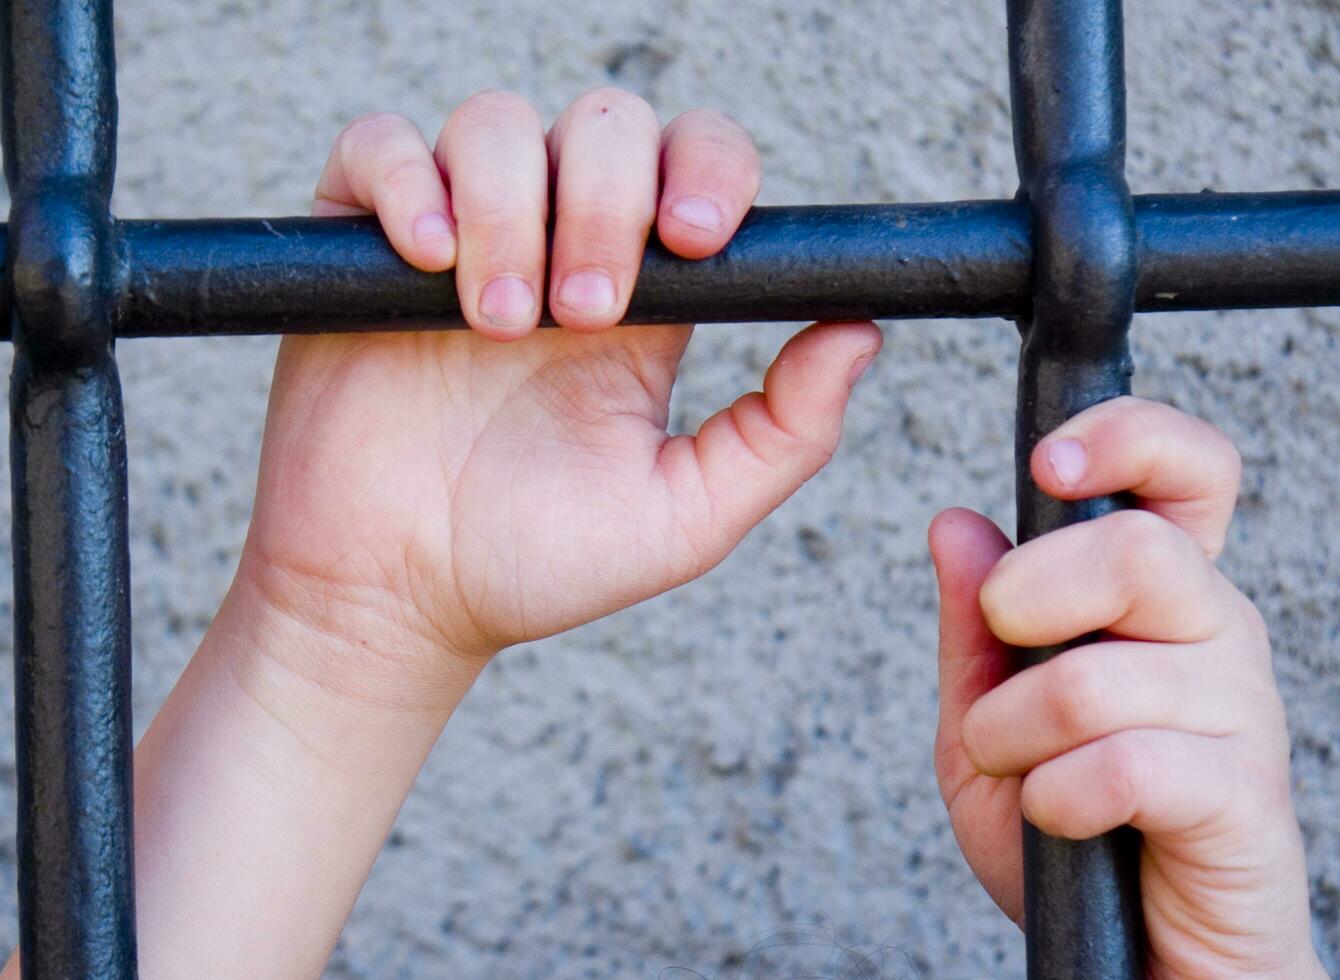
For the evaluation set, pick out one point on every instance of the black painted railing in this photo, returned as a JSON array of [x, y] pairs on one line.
[[1070, 259]]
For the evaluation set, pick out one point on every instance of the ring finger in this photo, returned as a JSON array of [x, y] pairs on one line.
[[1093, 691]]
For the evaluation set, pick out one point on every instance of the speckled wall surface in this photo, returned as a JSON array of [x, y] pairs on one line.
[[735, 779]]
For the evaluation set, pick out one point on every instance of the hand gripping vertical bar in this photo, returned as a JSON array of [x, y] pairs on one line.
[[1067, 89], [68, 459]]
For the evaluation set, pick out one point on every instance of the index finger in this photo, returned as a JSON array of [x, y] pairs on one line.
[[1181, 467], [380, 162]]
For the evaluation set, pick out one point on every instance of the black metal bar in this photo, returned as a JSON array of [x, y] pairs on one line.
[[966, 259], [1081, 898], [1237, 251], [306, 275], [71, 563]]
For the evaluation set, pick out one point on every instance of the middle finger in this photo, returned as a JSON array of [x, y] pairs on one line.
[[605, 148], [1096, 690], [1131, 572], [492, 150]]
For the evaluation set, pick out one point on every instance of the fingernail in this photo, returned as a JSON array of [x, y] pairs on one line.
[[587, 291], [507, 301], [1068, 459], [859, 368], [431, 225], [699, 212]]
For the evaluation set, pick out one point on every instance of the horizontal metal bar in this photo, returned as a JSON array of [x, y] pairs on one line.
[[1237, 251], [308, 275], [896, 261]]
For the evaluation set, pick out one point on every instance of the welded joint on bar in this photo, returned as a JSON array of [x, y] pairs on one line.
[[1085, 260], [65, 273], [1067, 89]]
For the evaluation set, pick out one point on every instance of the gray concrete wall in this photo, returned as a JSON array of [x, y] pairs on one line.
[[683, 783]]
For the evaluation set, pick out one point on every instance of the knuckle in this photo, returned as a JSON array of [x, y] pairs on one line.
[[713, 126], [729, 158], [368, 132], [1113, 412], [1044, 800], [1254, 625], [1138, 412], [1271, 777], [995, 611], [708, 119], [1035, 802], [768, 439], [611, 222], [760, 444], [975, 734], [969, 738], [495, 217], [1129, 432], [1075, 693], [719, 140], [804, 454], [367, 138], [619, 105], [1146, 546], [823, 448], [493, 110], [1213, 541], [1231, 478], [1123, 772], [994, 598], [401, 172], [736, 150], [1220, 460]]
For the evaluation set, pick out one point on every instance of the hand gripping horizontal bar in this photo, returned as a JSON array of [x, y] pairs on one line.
[[895, 261]]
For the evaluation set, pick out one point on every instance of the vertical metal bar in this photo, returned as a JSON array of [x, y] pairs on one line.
[[71, 562], [1067, 87]]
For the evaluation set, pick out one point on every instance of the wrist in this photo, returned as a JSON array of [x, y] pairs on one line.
[[289, 749], [366, 648]]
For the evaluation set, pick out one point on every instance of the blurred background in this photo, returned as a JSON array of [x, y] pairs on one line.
[[734, 780]]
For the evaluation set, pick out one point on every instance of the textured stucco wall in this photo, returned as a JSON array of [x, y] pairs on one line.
[[681, 784]]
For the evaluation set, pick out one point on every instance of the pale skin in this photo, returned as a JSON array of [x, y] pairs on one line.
[[1171, 722], [426, 500]]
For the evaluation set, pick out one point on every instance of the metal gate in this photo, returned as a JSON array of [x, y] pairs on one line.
[[1070, 258]]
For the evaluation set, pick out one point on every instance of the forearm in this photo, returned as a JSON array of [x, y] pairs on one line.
[[263, 794]]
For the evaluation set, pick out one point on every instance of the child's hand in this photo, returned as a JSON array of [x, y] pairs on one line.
[[426, 499], [444, 493], [1172, 723]]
